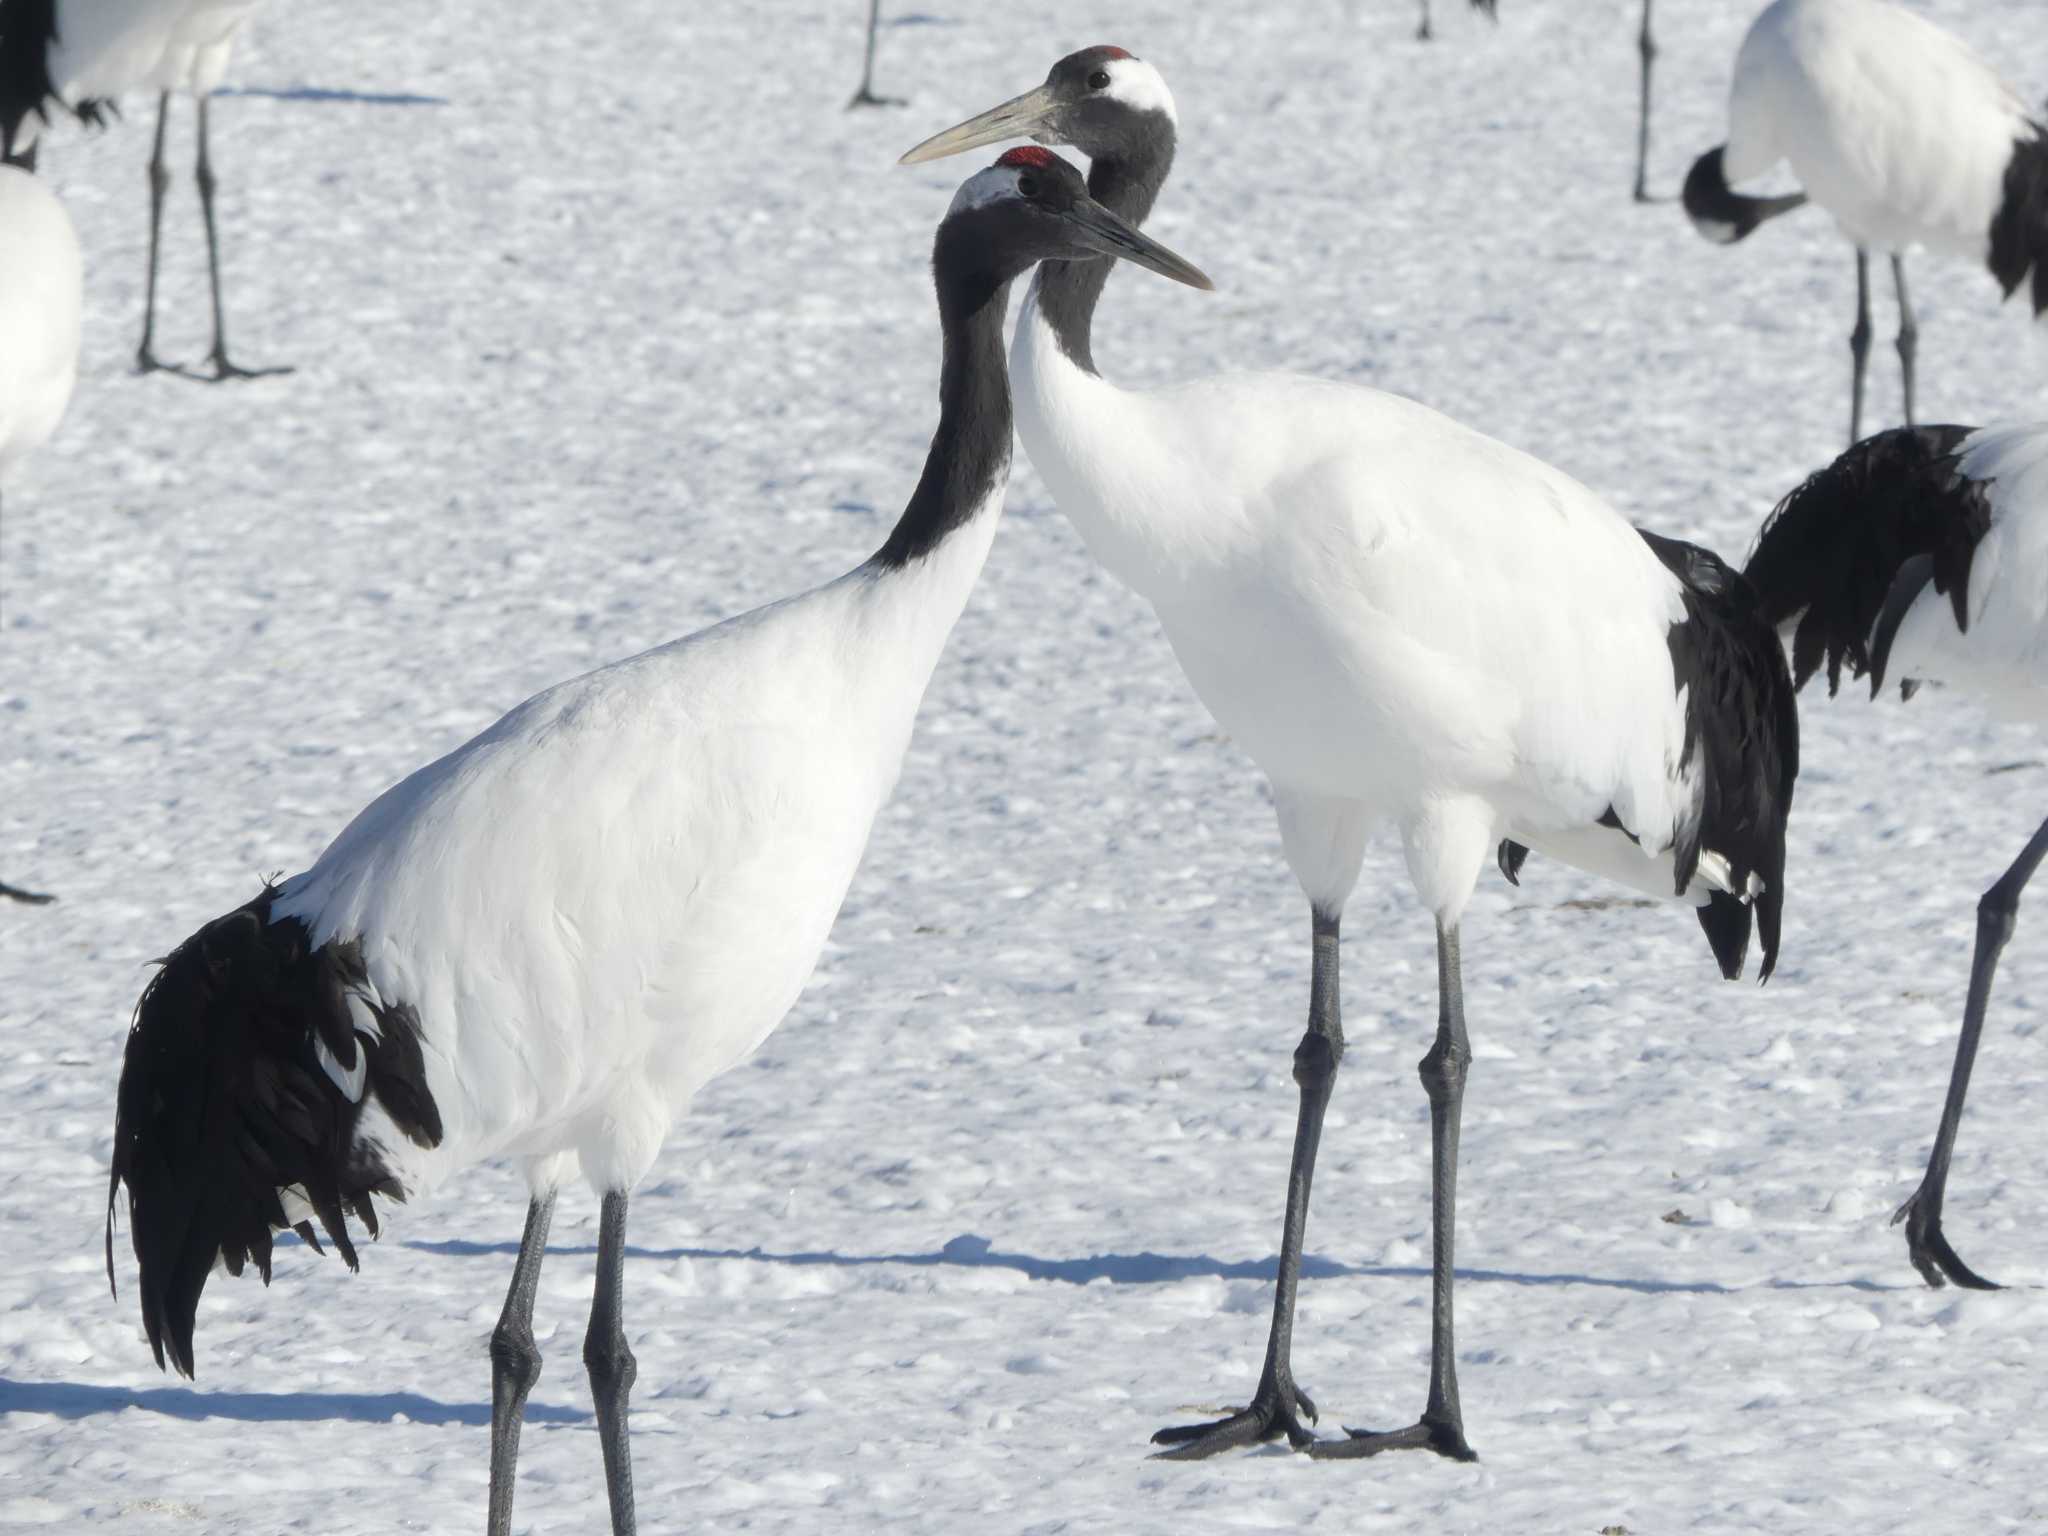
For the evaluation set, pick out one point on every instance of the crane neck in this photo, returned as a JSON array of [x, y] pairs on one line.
[[969, 460], [1127, 183]]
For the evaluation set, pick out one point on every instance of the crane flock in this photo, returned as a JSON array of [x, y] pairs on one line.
[[540, 946]]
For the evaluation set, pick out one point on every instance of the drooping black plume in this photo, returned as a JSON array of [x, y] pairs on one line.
[[2019, 232], [1831, 552], [1742, 734], [224, 1103], [27, 29]]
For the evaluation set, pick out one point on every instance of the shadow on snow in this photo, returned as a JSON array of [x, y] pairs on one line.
[[969, 1251], [75, 1400]]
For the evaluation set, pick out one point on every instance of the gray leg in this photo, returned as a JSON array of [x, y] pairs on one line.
[[611, 1363], [222, 368], [1859, 345], [1646, 45], [1442, 1425], [1424, 32], [159, 184], [515, 1361], [1996, 915], [1278, 1402], [865, 96], [1909, 332]]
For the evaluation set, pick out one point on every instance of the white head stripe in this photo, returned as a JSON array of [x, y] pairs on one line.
[[983, 188]]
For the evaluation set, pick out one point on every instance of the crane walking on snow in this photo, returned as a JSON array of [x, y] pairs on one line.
[[77, 53], [540, 946], [1400, 620], [1923, 555], [1901, 133]]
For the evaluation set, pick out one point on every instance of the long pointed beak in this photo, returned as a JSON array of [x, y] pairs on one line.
[[1095, 227], [1021, 117]]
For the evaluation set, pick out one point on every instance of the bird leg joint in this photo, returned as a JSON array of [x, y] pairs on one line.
[[1316, 1060], [1997, 915], [1443, 1070], [610, 1363], [516, 1356]]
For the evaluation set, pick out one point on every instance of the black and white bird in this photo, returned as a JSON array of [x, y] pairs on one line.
[[79, 54], [540, 946], [1901, 133], [1401, 621], [1646, 49], [1922, 554], [42, 293]]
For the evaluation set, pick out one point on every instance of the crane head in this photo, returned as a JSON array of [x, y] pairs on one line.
[[1032, 206], [1102, 100]]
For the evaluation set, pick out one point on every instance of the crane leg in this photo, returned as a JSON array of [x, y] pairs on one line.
[[1646, 45], [1278, 1405], [1442, 1425], [159, 184], [1859, 346], [865, 96], [515, 1361], [222, 368], [1997, 913], [1424, 32], [1909, 332], [610, 1362]]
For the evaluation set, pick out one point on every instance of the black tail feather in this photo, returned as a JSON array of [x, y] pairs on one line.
[[2019, 234], [224, 1104], [1742, 731], [1831, 551]]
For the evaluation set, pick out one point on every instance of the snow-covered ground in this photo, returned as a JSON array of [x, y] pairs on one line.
[[609, 321]]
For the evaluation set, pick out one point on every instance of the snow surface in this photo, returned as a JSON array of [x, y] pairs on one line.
[[609, 321]]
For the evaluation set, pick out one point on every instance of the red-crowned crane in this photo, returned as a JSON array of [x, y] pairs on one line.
[[77, 53], [1901, 133], [1401, 621], [1923, 554], [42, 290], [540, 946]]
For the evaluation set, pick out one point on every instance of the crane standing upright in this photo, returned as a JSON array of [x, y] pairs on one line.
[[79, 53], [1901, 133], [1401, 621], [540, 946]]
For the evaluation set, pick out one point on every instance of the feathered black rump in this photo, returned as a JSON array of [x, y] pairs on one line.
[[1742, 732], [2019, 233], [224, 1102], [1831, 550]]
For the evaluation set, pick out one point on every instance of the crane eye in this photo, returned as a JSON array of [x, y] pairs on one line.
[[1027, 186], [1099, 81]]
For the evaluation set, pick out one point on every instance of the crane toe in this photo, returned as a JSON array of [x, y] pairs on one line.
[[1928, 1247], [1276, 1409], [1444, 1436]]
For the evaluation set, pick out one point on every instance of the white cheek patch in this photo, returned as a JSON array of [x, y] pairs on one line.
[[983, 188], [1137, 85]]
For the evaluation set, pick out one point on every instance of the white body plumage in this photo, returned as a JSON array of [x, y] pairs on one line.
[[574, 901], [1394, 615], [41, 296], [2003, 656], [105, 47], [1889, 123]]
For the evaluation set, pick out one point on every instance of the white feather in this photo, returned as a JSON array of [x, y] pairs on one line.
[[1891, 124], [42, 290], [1394, 615]]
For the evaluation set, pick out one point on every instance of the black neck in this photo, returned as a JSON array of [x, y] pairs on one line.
[[970, 452], [1127, 183]]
